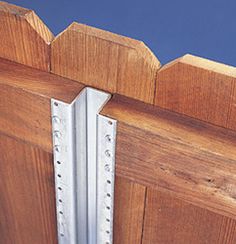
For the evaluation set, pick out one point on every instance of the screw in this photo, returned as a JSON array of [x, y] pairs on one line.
[[57, 134], [56, 119], [57, 148], [107, 168], [108, 138], [108, 153]]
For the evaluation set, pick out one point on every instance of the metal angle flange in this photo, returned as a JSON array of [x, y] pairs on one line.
[[84, 163]]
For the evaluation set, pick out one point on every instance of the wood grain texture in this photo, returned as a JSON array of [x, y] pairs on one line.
[[27, 199], [129, 211], [106, 61], [199, 88], [192, 159], [170, 220], [24, 37], [25, 98]]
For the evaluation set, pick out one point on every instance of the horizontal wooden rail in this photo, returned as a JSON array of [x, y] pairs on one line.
[[190, 158], [31, 90]]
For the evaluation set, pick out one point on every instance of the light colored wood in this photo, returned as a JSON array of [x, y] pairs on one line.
[[106, 61], [169, 220], [24, 37], [25, 98], [27, 199], [199, 88], [129, 211], [189, 158]]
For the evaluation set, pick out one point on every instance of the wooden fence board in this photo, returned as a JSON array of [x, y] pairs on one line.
[[170, 220], [129, 211], [24, 37], [198, 88], [27, 201], [106, 61]]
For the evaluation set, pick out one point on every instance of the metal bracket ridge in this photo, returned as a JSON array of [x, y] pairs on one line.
[[84, 165]]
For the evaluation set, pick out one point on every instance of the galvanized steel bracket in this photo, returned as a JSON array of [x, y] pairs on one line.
[[84, 163]]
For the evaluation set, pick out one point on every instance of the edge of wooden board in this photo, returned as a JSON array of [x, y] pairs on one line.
[[105, 61], [25, 101], [199, 88], [190, 158], [26, 38]]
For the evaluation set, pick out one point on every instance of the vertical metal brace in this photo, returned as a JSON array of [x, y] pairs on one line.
[[84, 163]]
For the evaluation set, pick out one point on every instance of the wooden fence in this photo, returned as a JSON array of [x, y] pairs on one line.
[[176, 141]]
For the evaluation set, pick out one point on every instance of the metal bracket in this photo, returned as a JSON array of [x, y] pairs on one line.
[[84, 163]]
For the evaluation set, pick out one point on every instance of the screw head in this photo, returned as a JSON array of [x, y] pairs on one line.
[[108, 153], [107, 167], [56, 119], [108, 138], [57, 134], [57, 148]]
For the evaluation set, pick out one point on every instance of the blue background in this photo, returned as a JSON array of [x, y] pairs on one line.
[[170, 28]]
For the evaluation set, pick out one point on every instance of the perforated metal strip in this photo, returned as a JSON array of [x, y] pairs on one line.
[[84, 162]]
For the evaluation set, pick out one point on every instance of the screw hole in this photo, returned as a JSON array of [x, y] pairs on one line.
[[108, 153], [61, 212], [108, 232], [108, 220], [108, 181], [108, 194], [59, 188], [107, 167], [60, 200], [57, 134], [59, 175], [57, 148], [56, 104], [108, 138], [108, 208], [56, 119], [61, 234], [58, 162]]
